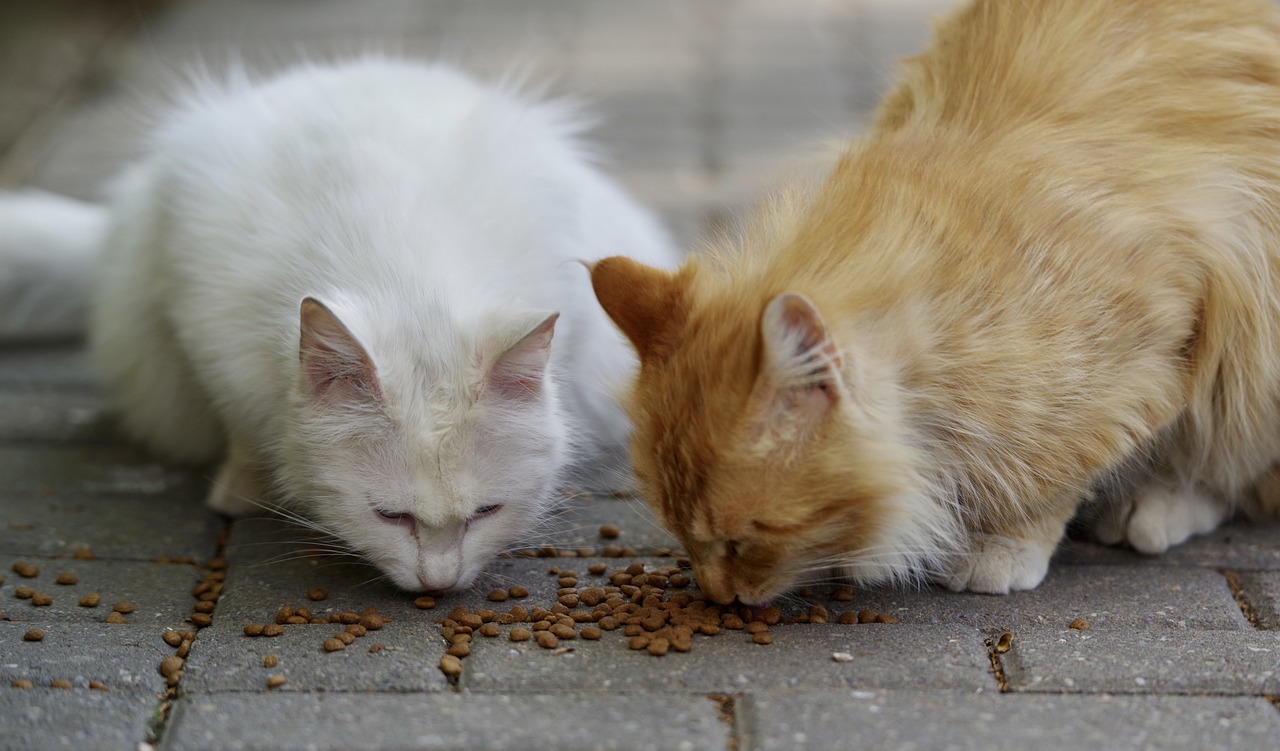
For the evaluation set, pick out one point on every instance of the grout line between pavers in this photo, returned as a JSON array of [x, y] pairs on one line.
[[997, 645], [726, 712], [1237, 591]]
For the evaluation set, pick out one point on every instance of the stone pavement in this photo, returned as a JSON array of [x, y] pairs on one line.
[[704, 106]]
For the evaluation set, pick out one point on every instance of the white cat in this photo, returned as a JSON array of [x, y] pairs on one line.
[[344, 282]]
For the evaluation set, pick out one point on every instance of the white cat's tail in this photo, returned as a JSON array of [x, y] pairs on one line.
[[47, 246]]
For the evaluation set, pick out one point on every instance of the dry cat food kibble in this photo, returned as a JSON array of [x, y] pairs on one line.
[[83, 554], [254, 629], [275, 681], [26, 570], [762, 637], [498, 595], [201, 619], [490, 630], [451, 666], [425, 602], [520, 634], [21, 683], [317, 594], [610, 531], [170, 665], [41, 599], [171, 637], [125, 607], [270, 661], [90, 600], [376, 648], [272, 629], [34, 634], [1079, 624], [546, 639], [1004, 643], [24, 593], [98, 686], [116, 618], [333, 645], [66, 577], [59, 683], [346, 637]]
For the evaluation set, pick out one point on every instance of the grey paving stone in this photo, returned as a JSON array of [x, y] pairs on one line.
[[49, 365], [338, 722], [37, 416], [114, 501], [952, 721], [44, 719], [1185, 662], [224, 659], [800, 658], [1241, 546], [125, 657], [1262, 591], [1109, 597], [160, 593]]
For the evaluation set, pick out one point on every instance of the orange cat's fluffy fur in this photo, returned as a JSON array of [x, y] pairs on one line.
[[1049, 276]]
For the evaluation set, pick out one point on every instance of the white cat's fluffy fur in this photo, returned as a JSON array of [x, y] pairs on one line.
[[435, 220]]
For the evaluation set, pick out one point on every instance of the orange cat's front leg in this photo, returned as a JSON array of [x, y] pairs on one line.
[[1009, 559]]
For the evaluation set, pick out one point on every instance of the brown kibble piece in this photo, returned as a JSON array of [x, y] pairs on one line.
[[763, 637], [1004, 643], [116, 618], [498, 595], [203, 619], [272, 629], [346, 637], [24, 593], [638, 642], [546, 639], [450, 666], [848, 617], [561, 631], [520, 634], [125, 607], [184, 649], [283, 614], [26, 570], [517, 591], [1079, 624], [98, 686], [293, 620], [658, 647], [276, 681], [372, 622], [34, 634], [270, 661], [610, 531], [206, 607], [356, 629], [843, 593], [376, 648], [316, 594], [886, 618], [21, 683], [90, 600], [83, 554], [41, 599], [425, 602], [867, 616], [171, 637], [59, 683], [66, 577], [490, 630], [333, 645], [253, 629], [170, 665], [756, 627], [459, 649]]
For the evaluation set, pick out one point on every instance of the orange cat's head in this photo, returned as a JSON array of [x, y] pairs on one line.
[[769, 454]]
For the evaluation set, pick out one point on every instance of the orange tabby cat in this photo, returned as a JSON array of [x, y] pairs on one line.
[[1050, 273]]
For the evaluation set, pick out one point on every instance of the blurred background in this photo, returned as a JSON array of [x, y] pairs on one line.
[[703, 105]]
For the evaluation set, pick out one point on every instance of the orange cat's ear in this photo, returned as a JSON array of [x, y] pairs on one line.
[[641, 300], [800, 374]]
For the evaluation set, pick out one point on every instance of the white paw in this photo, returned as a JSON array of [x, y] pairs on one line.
[[1163, 517], [999, 565]]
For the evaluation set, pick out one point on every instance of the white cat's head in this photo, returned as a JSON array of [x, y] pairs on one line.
[[427, 464]]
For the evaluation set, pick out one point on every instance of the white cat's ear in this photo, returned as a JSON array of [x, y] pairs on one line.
[[335, 367], [800, 373], [518, 372]]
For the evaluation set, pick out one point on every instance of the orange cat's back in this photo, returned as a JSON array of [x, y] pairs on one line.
[[1053, 265]]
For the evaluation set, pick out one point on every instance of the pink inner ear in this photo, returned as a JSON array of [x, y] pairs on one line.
[[334, 364], [519, 371]]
